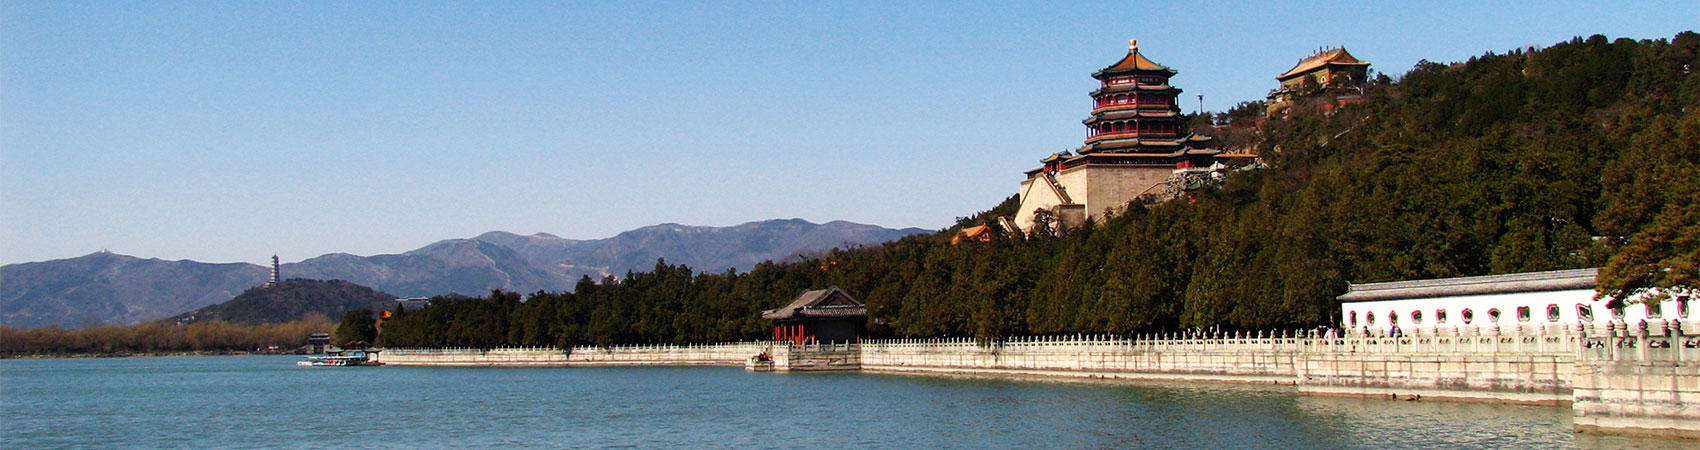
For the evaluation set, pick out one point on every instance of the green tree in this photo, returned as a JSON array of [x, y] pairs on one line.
[[357, 325]]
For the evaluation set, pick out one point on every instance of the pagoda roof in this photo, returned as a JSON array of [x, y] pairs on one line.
[[1131, 87], [821, 303], [1134, 62], [1337, 56], [1124, 112]]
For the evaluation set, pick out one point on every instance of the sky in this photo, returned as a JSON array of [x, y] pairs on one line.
[[232, 131]]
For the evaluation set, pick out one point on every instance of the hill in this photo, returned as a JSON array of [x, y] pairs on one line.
[[463, 266], [1582, 154], [290, 300], [710, 249], [110, 289]]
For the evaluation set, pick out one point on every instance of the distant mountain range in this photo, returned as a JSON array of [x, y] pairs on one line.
[[107, 288]]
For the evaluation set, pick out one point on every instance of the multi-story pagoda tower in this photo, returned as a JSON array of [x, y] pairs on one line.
[[1134, 109], [275, 272], [1137, 145]]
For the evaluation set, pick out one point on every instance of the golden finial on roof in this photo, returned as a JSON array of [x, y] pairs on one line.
[[1132, 44]]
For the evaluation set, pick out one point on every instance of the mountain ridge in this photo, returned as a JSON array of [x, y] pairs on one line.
[[105, 288]]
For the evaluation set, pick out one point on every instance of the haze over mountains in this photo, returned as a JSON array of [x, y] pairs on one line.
[[107, 288]]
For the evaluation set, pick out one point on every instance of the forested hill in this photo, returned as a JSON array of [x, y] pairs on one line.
[[1584, 153], [111, 289], [290, 300]]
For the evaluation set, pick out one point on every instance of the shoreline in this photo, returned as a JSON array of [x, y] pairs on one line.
[[139, 355]]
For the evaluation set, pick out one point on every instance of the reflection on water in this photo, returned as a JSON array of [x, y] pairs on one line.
[[269, 402]]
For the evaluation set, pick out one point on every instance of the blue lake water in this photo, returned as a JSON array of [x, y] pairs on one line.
[[268, 401]]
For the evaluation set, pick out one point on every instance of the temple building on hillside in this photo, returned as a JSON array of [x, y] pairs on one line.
[[819, 316], [977, 233], [1330, 71], [1137, 145]]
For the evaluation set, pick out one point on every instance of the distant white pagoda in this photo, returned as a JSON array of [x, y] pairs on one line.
[[274, 278]]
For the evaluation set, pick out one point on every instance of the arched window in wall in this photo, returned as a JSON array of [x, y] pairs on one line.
[[1552, 312], [1523, 314], [1493, 315], [1354, 319], [1369, 318], [1585, 312], [1416, 317], [1655, 310], [1392, 318], [1440, 316], [1682, 307], [1469, 316]]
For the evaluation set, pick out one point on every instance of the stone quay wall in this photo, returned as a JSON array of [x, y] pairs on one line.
[[1233, 359], [1639, 385], [1531, 367], [728, 354], [1618, 378]]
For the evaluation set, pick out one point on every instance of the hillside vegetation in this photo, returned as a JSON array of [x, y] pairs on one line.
[[290, 300], [1586, 153], [161, 337]]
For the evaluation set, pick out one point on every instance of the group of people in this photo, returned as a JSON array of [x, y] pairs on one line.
[[1328, 332]]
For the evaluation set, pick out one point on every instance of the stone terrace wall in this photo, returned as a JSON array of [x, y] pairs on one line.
[[1640, 379], [1241, 359], [732, 354], [1463, 365], [1640, 385]]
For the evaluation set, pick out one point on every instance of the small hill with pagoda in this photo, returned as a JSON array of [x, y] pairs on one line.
[[1585, 153], [1137, 145]]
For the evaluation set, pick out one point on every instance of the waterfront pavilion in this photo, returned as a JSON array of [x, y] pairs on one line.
[[824, 315]]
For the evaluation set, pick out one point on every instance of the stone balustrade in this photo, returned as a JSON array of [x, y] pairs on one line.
[[1620, 378]]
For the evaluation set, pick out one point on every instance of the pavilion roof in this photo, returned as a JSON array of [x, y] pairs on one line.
[[977, 232], [1337, 56], [829, 302], [1135, 62]]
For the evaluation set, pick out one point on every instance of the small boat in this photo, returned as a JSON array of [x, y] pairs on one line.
[[354, 358]]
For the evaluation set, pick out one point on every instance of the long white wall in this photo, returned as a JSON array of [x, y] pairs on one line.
[[1574, 306]]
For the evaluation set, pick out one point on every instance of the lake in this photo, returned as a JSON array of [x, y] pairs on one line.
[[268, 401]]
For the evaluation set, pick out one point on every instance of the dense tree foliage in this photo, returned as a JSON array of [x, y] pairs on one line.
[[162, 337], [1578, 155], [357, 326]]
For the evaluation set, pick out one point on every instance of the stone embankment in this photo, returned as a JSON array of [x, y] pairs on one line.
[[730, 354], [1644, 381]]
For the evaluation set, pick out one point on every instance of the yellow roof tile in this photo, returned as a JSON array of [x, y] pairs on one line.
[[1337, 56]]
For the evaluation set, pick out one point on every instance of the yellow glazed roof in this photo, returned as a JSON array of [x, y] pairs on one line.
[[1134, 61], [1338, 56]]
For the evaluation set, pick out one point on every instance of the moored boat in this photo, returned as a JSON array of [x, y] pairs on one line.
[[354, 358]]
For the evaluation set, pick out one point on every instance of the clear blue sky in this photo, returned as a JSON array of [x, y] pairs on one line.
[[229, 131]]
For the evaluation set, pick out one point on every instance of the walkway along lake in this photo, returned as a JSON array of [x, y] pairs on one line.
[[267, 401], [1614, 382]]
